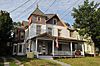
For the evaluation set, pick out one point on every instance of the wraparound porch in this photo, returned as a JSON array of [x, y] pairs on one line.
[[47, 47]]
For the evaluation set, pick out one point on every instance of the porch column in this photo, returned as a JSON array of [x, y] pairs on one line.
[[17, 48], [71, 48], [36, 48], [83, 49], [29, 42], [22, 48], [53, 47]]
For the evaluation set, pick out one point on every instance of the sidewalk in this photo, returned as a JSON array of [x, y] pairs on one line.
[[62, 63], [17, 62]]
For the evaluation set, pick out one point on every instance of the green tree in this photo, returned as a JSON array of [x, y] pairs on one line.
[[6, 25], [87, 20]]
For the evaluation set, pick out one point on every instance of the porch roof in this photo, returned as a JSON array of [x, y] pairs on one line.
[[48, 36]]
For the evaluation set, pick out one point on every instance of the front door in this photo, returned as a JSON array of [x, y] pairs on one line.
[[44, 47]]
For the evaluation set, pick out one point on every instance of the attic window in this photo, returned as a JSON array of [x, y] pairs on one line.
[[54, 21], [38, 18]]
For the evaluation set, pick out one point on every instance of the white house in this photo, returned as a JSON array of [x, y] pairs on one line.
[[48, 35]]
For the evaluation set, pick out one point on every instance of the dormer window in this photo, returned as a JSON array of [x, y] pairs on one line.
[[54, 21], [38, 18]]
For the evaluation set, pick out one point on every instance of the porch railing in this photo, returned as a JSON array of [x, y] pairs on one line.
[[65, 53], [62, 52]]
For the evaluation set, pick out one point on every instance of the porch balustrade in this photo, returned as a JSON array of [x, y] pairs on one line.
[[62, 52], [65, 53]]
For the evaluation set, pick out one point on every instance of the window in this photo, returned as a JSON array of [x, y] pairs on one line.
[[15, 48], [38, 29], [22, 35], [59, 32], [54, 21], [71, 33], [20, 48], [38, 18], [50, 31]]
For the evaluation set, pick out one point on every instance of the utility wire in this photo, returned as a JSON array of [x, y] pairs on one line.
[[26, 9], [70, 8], [50, 5], [20, 6]]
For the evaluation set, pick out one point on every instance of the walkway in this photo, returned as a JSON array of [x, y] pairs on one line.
[[62, 63], [17, 62]]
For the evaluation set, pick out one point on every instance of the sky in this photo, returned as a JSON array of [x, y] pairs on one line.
[[63, 8]]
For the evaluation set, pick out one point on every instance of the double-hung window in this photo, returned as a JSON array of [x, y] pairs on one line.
[[50, 31], [38, 29], [59, 32]]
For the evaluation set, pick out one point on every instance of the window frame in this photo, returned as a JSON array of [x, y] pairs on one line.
[[38, 29], [39, 18], [50, 30], [20, 48], [71, 33], [54, 21], [59, 32]]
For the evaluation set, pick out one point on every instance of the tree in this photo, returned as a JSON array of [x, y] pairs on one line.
[[87, 20], [6, 25]]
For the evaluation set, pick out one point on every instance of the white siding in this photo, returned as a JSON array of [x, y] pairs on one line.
[[32, 29], [64, 31]]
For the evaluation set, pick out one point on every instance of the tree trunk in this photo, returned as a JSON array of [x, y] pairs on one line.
[[94, 42]]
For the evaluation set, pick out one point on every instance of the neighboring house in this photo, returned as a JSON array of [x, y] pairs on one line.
[[48, 35], [89, 47], [19, 35]]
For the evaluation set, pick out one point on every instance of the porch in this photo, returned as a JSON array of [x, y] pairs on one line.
[[47, 48]]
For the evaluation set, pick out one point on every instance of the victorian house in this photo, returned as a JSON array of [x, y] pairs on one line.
[[48, 35]]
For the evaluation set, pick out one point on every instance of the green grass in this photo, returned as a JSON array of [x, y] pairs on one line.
[[11, 62], [36, 62], [85, 61]]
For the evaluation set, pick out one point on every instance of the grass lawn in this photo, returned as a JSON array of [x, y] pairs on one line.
[[11, 62], [36, 62], [85, 61]]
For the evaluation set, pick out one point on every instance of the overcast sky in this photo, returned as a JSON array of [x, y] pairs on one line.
[[61, 7]]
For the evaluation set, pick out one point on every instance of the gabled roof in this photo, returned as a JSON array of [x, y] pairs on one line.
[[25, 23], [49, 16], [37, 11]]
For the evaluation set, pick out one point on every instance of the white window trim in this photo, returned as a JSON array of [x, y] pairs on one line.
[[55, 20], [39, 17]]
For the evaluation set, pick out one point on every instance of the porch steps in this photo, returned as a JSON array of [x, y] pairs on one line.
[[45, 57]]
